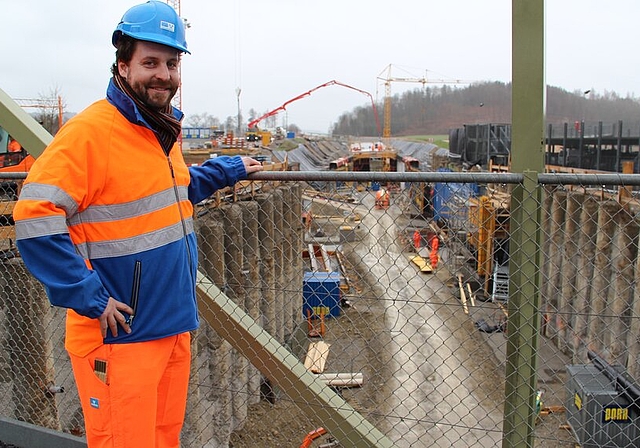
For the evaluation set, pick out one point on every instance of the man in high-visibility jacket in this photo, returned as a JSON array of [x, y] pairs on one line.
[[105, 222]]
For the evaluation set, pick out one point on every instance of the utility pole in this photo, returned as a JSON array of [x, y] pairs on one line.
[[238, 90]]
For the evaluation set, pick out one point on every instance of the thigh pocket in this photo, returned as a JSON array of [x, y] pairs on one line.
[[96, 398]]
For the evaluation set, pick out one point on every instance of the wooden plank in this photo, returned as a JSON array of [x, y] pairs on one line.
[[342, 379], [553, 409], [312, 258], [471, 295], [325, 258], [6, 207], [463, 296], [7, 233], [422, 263], [317, 355]]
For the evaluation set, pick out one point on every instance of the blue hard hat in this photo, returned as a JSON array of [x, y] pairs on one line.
[[153, 21]]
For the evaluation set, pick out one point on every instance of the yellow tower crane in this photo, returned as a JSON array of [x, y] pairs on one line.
[[388, 79], [44, 104]]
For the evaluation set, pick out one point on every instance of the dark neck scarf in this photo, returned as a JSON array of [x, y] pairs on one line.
[[166, 125]]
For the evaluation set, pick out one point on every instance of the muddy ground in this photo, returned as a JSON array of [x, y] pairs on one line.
[[358, 338], [284, 424]]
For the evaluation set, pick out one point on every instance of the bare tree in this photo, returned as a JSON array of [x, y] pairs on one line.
[[203, 120], [230, 123], [294, 128]]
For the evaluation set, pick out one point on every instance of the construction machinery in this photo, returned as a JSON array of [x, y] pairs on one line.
[[315, 434], [255, 134], [177, 99], [253, 123], [13, 157], [52, 107], [386, 133]]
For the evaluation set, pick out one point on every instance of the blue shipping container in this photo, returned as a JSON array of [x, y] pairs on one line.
[[321, 294], [449, 199]]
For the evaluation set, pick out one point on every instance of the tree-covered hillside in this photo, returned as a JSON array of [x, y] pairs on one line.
[[436, 110]]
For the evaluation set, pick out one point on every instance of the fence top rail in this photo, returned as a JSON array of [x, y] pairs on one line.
[[371, 176], [428, 176], [589, 179]]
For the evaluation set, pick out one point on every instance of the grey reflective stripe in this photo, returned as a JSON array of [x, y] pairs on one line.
[[149, 204], [33, 228], [51, 193], [136, 244]]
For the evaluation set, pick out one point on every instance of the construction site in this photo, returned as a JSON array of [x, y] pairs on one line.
[[379, 288], [379, 291], [441, 249]]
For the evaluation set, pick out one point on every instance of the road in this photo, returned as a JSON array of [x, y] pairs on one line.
[[432, 397]]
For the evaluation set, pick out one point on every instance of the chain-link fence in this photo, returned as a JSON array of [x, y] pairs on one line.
[[341, 312]]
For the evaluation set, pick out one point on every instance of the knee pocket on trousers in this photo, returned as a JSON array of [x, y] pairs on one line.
[[97, 406]]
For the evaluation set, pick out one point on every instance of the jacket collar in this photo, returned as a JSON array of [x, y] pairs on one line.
[[127, 107]]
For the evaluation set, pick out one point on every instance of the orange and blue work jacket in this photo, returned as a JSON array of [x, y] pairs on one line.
[[103, 198]]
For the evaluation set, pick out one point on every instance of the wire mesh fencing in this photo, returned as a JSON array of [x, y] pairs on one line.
[[387, 313]]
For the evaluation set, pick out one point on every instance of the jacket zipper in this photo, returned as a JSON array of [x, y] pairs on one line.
[[184, 226], [135, 291]]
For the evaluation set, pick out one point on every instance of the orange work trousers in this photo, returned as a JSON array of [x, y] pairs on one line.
[[136, 394]]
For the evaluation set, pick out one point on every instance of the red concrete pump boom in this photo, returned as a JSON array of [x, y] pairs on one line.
[[330, 83]]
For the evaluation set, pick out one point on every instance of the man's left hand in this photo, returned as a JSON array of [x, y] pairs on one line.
[[251, 165]]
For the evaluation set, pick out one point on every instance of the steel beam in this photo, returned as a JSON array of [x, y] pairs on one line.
[[22, 126]]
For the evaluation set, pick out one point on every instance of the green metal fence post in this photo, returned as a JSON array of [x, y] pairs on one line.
[[523, 325], [527, 157]]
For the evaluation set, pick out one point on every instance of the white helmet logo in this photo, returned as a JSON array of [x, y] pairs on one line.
[[167, 26]]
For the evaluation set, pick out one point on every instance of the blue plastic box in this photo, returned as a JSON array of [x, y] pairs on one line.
[[321, 294]]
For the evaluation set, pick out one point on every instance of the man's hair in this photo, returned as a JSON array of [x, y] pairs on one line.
[[125, 47]]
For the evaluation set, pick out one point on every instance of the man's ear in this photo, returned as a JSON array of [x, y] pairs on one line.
[[123, 69]]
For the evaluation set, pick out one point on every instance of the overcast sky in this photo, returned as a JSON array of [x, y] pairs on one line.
[[274, 50]]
